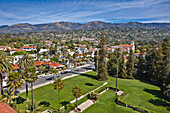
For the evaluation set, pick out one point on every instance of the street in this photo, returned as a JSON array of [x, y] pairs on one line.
[[45, 81]]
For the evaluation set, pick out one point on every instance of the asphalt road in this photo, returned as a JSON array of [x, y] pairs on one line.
[[74, 71]]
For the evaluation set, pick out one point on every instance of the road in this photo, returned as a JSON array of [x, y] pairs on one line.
[[44, 81]]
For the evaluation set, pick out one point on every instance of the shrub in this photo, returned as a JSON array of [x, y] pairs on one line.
[[93, 96], [70, 106]]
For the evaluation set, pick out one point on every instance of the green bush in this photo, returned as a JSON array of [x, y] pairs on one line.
[[70, 106], [93, 96]]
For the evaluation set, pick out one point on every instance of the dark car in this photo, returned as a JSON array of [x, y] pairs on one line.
[[50, 78]]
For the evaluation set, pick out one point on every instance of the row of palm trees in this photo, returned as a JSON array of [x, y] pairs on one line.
[[29, 75], [76, 91], [15, 78]]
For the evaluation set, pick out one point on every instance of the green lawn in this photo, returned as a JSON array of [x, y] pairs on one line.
[[48, 95], [142, 94], [106, 104]]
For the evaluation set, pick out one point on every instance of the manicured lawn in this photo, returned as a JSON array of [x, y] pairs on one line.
[[48, 95], [106, 104], [142, 94]]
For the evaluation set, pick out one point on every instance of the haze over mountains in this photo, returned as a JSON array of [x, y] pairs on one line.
[[63, 26]]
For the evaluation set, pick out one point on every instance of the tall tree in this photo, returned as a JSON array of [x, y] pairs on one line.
[[141, 66], [58, 85], [26, 61], [102, 63], [122, 68], [4, 66], [77, 91], [130, 65], [31, 77], [14, 81]]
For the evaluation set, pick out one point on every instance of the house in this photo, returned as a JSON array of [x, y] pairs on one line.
[[3, 48], [11, 51], [124, 47], [5, 108], [55, 65], [28, 48]]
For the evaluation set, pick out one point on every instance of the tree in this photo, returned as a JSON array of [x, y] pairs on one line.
[[58, 85], [141, 66], [28, 107], [31, 77], [8, 97], [102, 64], [77, 91], [111, 64], [26, 61], [4, 66], [130, 65], [122, 68], [14, 81], [41, 68]]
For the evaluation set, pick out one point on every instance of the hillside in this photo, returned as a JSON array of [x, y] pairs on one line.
[[63, 26]]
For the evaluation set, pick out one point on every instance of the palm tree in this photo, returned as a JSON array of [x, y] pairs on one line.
[[4, 66], [77, 91], [58, 85], [14, 81], [8, 96], [31, 77], [26, 61], [28, 107]]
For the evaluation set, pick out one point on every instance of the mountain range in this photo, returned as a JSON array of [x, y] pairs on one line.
[[63, 26]]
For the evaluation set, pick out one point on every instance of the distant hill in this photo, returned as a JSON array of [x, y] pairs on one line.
[[63, 26]]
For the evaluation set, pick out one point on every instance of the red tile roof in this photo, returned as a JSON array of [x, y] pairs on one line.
[[16, 67], [27, 47], [55, 64], [48, 41], [16, 50], [38, 63], [126, 45], [5, 108]]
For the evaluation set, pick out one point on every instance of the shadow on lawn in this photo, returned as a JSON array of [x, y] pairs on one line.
[[64, 103], [20, 100], [89, 84], [160, 102], [156, 93], [45, 103], [89, 75]]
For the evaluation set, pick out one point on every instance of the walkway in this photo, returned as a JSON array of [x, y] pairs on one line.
[[87, 103]]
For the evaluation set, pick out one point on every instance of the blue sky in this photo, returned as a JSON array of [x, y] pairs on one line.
[[114, 11]]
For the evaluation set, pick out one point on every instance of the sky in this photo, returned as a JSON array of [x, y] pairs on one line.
[[82, 11]]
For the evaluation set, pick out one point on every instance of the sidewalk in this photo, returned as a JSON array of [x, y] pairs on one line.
[[87, 103]]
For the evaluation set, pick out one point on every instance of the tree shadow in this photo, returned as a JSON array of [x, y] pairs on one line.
[[156, 93], [89, 75], [45, 103], [20, 100], [64, 103], [89, 84], [148, 82], [160, 102]]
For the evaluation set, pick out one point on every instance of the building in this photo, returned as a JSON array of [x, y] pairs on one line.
[[28, 48], [123, 47], [5, 108]]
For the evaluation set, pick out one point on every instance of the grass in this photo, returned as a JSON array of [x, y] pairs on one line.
[[106, 104], [142, 94], [49, 96]]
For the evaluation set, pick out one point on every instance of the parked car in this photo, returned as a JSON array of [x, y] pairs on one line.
[[50, 78]]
